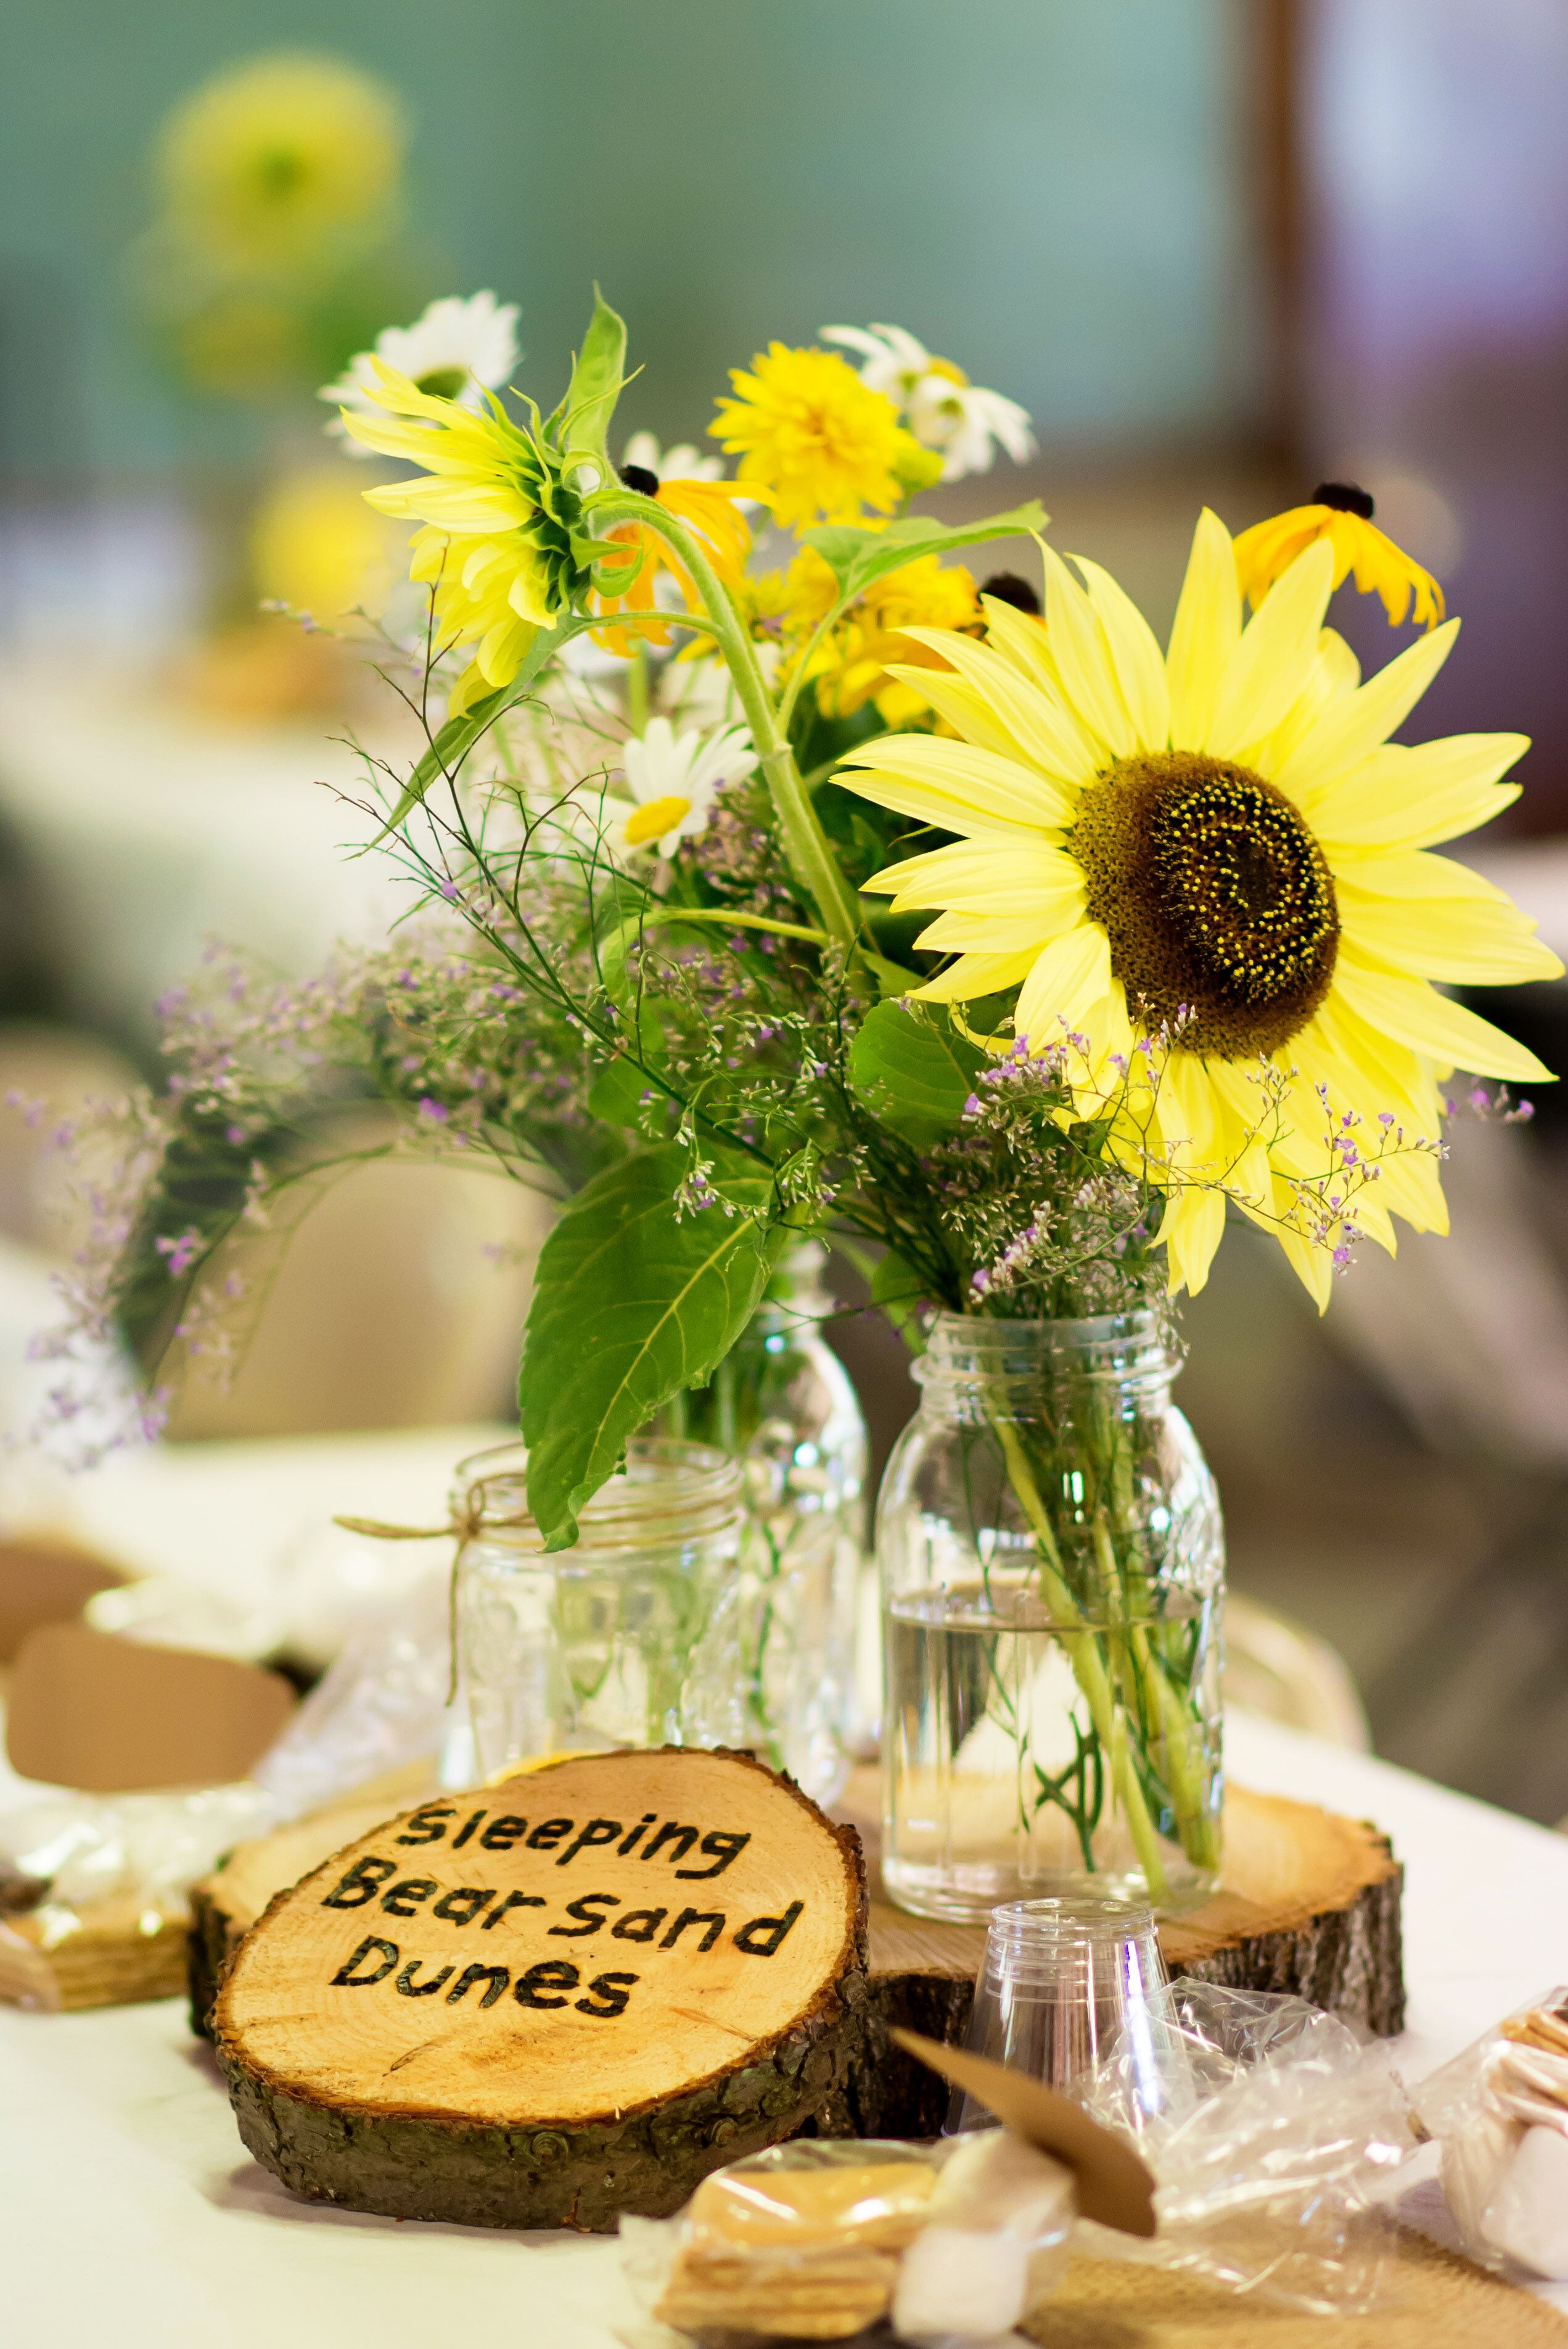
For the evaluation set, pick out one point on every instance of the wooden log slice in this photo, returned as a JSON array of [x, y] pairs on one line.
[[556, 1998], [226, 1904], [1309, 1903]]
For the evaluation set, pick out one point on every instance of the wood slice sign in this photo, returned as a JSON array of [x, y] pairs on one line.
[[556, 1998]]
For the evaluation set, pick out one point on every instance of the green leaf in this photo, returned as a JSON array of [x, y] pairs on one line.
[[913, 1071], [860, 557], [595, 387], [631, 1303], [897, 1290]]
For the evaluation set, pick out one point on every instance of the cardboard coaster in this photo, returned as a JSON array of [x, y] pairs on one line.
[[114, 1716], [46, 1582]]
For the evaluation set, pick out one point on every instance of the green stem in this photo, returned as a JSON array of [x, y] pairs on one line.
[[806, 844], [638, 690], [1089, 1663], [730, 921]]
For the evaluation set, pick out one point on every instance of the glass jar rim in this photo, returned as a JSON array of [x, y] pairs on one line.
[[987, 1345], [667, 1493]]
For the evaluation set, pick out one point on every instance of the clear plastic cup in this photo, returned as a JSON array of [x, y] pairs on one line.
[[1062, 1983]]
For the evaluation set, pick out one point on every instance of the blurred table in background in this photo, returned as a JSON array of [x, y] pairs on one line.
[[144, 827]]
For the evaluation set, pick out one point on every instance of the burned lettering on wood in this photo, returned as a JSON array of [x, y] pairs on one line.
[[328, 2003]]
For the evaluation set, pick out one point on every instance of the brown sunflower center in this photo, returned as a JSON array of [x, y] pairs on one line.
[[1214, 895]]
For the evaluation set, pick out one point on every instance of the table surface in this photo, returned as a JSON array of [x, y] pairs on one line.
[[133, 2215]]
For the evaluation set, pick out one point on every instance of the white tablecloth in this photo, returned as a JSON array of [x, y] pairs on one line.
[[130, 2214]]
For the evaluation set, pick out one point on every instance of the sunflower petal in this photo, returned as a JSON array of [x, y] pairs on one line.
[[1069, 977], [1048, 735], [1083, 659], [1021, 639], [975, 975], [1205, 632], [961, 930], [1365, 717], [973, 871], [1403, 798], [1411, 1011], [1469, 940], [1269, 669], [1135, 656], [952, 782], [964, 708], [1190, 1230], [1414, 873]]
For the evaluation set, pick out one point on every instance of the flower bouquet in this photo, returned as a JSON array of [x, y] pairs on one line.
[[773, 893]]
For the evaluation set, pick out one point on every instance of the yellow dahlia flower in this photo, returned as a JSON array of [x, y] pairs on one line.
[[1341, 514], [858, 663], [815, 442], [265, 164], [1217, 849]]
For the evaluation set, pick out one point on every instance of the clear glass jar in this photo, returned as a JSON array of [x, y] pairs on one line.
[[660, 1626], [1052, 1564], [782, 1404]]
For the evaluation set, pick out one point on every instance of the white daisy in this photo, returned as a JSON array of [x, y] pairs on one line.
[[673, 778], [457, 351], [892, 360], [680, 463], [941, 406]]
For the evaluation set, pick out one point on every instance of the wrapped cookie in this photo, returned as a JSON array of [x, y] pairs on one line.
[[1500, 2112]]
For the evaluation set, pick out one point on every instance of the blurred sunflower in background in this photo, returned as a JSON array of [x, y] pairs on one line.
[[1218, 851], [263, 165]]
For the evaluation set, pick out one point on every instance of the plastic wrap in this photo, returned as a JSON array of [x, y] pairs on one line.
[[1500, 2112], [1275, 2128], [820, 2240], [382, 1705]]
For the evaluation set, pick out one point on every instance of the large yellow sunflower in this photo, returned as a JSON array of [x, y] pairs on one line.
[[1220, 847]]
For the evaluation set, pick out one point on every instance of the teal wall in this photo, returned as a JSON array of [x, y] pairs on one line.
[[1049, 191]]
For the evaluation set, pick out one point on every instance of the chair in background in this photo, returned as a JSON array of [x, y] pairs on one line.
[[1285, 1673]]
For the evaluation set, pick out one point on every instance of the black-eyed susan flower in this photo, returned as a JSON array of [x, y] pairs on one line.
[[1218, 851], [1341, 514], [711, 510], [815, 443]]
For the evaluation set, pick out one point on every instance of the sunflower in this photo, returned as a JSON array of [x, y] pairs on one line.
[[815, 443], [267, 164], [503, 524], [1218, 851], [710, 509], [1341, 514]]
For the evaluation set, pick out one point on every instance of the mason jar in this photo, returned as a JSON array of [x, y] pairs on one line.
[[659, 1626], [1052, 1566], [782, 1404]]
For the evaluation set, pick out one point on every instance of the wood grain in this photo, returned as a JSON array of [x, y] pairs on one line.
[[1309, 1903], [556, 1998]]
